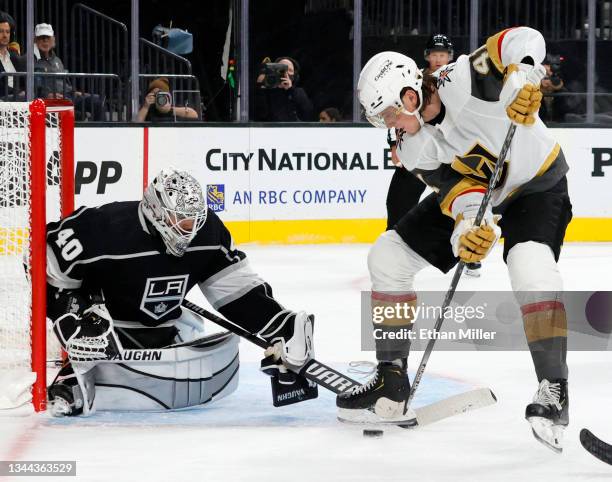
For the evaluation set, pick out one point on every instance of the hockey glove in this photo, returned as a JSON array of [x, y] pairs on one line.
[[528, 100], [89, 337], [291, 334], [473, 243]]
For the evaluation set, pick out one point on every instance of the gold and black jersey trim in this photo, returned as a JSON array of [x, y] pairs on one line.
[[549, 160], [457, 190], [546, 165]]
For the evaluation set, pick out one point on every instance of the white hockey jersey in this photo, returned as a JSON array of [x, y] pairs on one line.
[[472, 132]]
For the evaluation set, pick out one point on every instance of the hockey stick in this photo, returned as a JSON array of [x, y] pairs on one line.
[[595, 446], [336, 382], [314, 370], [459, 271]]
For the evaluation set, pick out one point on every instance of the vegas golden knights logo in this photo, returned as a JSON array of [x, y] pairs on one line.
[[478, 164]]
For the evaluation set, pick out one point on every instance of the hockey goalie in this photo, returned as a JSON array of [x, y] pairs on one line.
[[116, 277]]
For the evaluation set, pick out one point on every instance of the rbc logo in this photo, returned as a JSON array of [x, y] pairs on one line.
[[215, 197]]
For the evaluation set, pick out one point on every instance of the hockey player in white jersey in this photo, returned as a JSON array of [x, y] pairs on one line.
[[117, 275], [477, 97]]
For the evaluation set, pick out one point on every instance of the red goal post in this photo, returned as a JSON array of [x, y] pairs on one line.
[[36, 186]]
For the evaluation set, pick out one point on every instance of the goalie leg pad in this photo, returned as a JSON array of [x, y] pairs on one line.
[[73, 391], [184, 377]]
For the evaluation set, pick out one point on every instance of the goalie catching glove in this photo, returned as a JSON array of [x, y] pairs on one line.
[[473, 243], [528, 100], [88, 337]]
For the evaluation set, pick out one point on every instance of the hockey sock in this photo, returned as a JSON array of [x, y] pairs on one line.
[[545, 326], [392, 319]]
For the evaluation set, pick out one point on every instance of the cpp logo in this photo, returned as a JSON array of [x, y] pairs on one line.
[[215, 197], [87, 171]]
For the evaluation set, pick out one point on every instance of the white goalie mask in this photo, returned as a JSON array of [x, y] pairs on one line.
[[175, 206], [381, 82]]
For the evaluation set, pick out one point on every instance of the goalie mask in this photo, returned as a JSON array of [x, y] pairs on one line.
[[175, 206], [381, 83]]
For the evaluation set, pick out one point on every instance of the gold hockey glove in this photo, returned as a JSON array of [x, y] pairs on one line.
[[473, 243], [526, 103]]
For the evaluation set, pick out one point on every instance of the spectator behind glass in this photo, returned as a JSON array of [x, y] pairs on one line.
[[331, 114], [8, 57], [554, 106], [45, 60], [157, 106], [285, 102]]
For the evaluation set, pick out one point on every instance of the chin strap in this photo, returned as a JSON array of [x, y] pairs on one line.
[[416, 114]]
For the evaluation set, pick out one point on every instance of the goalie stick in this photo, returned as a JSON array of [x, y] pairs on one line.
[[595, 446], [337, 382], [458, 272]]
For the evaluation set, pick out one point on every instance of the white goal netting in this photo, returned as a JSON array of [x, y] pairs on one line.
[[16, 375]]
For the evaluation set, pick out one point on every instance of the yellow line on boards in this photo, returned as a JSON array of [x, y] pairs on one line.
[[319, 231]]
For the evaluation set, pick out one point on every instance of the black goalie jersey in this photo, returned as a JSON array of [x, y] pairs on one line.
[[113, 251]]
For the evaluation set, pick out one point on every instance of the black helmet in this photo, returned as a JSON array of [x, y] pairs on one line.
[[439, 42]]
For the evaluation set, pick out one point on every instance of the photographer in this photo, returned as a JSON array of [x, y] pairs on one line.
[[158, 106], [554, 106], [277, 98]]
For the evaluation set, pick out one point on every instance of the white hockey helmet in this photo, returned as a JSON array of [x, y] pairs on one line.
[[381, 82], [176, 207]]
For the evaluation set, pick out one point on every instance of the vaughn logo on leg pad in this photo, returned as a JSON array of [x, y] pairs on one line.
[[163, 294]]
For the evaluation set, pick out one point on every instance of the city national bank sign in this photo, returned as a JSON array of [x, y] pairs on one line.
[[328, 184]]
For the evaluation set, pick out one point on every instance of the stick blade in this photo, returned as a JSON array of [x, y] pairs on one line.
[[596, 447], [461, 403]]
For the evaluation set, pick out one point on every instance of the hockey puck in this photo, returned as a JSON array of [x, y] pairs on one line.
[[373, 433]]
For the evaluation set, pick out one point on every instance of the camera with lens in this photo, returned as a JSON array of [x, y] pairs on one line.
[[273, 74], [162, 98], [555, 69]]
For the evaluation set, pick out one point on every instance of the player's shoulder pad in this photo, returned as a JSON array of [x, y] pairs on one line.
[[512, 45]]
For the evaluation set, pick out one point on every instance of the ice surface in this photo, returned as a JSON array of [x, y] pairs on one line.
[[244, 438]]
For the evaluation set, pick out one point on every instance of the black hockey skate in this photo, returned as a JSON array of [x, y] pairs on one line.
[[381, 400], [473, 269], [548, 414], [64, 394]]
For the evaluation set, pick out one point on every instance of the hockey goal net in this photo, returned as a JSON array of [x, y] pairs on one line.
[[36, 186]]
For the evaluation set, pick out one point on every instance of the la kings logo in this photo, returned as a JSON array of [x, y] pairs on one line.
[[163, 294]]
